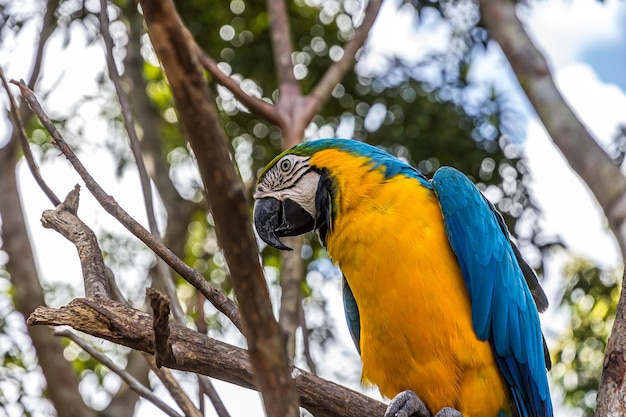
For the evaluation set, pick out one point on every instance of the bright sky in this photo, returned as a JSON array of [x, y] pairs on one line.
[[584, 40]]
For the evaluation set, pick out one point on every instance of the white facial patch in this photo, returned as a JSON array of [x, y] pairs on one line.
[[290, 178]]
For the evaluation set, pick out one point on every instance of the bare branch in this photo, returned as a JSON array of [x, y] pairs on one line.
[[64, 220], [338, 70], [18, 128], [133, 383], [215, 296], [207, 388], [206, 385], [225, 193], [195, 352], [305, 337], [174, 388], [611, 398], [582, 151], [254, 104], [291, 276], [280, 33]]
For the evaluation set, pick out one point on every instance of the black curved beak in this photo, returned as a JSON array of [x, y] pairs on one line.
[[274, 219]]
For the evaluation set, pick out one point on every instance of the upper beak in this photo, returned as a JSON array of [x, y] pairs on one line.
[[274, 219]]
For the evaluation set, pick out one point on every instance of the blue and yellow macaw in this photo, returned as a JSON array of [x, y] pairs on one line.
[[437, 298]]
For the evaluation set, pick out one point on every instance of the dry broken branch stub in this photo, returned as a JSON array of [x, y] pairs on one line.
[[64, 220], [197, 353], [160, 304]]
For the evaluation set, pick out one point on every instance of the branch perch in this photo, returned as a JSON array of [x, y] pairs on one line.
[[197, 353]]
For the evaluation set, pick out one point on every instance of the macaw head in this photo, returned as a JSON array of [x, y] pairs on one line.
[[293, 197], [306, 187]]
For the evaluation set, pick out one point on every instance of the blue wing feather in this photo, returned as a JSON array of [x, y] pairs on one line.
[[503, 311], [352, 314]]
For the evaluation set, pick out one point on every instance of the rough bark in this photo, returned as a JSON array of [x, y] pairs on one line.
[[225, 193], [197, 353], [587, 159]]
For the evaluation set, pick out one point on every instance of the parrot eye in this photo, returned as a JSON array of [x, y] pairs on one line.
[[285, 165]]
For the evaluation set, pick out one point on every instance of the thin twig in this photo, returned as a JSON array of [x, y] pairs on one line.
[[337, 71], [18, 125], [206, 385], [209, 390], [305, 337], [174, 388], [282, 46], [132, 382], [256, 105], [215, 296], [164, 272], [114, 290]]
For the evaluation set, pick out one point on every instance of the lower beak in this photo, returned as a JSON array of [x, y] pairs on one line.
[[274, 219]]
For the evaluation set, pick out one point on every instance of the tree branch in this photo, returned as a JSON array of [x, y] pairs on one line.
[[282, 46], [586, 157], [161, 308], [254, 104], [18, 129], [64, 220], [338, 70], [582, 151], [174, 388], [197, 353], [225, 193], [215, 296]]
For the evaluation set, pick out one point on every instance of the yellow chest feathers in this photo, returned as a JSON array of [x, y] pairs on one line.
[[389, 240]]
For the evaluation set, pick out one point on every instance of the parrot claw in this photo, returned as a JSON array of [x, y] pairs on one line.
[[407, 404], [448, 412]]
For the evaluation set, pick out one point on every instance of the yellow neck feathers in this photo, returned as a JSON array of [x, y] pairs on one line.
[[389, 240]]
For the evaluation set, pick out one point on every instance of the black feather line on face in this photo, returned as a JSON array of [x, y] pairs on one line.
[[324, 205]]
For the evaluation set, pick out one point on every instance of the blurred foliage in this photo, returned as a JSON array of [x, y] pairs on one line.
[[590, 301], [21, 387]]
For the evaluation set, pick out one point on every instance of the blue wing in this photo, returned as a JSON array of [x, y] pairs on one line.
[[503, 310], [352, 314]]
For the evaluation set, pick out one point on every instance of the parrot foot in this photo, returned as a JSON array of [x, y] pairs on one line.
[[407, 404]]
